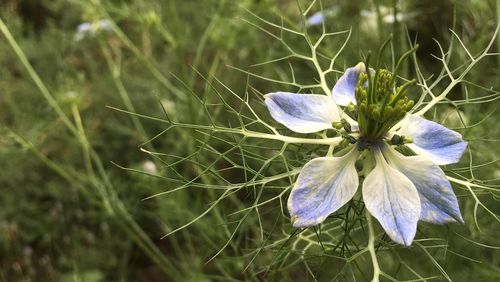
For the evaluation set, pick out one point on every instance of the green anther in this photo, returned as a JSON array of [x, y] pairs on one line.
[[376, 114], [343, 143], [351, 107], [389, 110], [409, 105], [401, 90], [362, 107], [407, 139], [399, 104], [397, 140], [346, 125], [351, 139], [337, 125]]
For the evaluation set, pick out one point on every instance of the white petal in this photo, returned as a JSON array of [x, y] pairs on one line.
[[437, 199], [323, 186], [393, 200], [432, 140], [303, 113], [343, 92]]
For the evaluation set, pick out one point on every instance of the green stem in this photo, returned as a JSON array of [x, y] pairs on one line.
[[400, 61], [370, 82], [139, 54], [498, 35], [371, 248], [32, 73], [122, 91], [402, 91], [381, 50], [109, 199], [380, 27]]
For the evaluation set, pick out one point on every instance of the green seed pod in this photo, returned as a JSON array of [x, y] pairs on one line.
[[383, 106]]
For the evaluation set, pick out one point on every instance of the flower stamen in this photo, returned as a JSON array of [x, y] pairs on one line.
[[380, 104]]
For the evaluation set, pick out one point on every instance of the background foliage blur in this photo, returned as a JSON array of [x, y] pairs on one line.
[[69, 212]]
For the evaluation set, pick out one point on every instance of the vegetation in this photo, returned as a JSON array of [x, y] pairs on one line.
[[127, 149]]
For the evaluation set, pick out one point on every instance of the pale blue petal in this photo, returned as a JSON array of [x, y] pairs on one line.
[[438, 201], [105, 24], [343, 92], [316, 19], [303, 113], [393, 200], [319, 17], [84, 27], [432, 140], [324, 185]]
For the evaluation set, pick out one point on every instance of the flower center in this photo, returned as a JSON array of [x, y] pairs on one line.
[[380, 103]]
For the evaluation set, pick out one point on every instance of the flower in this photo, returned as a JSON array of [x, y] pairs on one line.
[[149, 167], [398, 189], [90, 29], [387, 15], [319, 17], [316, 19]]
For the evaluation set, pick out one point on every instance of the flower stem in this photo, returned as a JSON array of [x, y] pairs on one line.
[[371, 248]]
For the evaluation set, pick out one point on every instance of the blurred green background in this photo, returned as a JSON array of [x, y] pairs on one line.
[[70, 212]]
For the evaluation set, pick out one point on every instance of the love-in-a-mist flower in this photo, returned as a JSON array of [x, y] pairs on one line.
[[398, 189], [90, 29], [319, 17]]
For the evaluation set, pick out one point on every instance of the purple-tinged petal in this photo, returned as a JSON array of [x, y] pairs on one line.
[[393, 200], [432, 140], [343, 92], [437, 200], [324, 185], [303, 113]]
